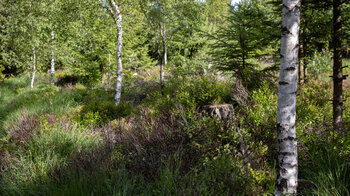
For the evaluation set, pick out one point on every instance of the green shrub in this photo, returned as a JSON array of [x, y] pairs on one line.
[[222, 176], [264, 108], [2, 76], [323, 63], [191, 93], [314, 108], [65, 79], [99, 112]]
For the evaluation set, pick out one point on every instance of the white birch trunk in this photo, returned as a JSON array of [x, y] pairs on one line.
[[52, 59], [109, 71], [165, 54], [287, 163], [32, 78], [115, 11]]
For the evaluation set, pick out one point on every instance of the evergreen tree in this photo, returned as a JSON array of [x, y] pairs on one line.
[[247, 32]]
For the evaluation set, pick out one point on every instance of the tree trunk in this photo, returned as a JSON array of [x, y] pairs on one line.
[[337, 68], [301, 49], [34, 69], [109, 71], [160, 58], [52, 59], [287, 162], [115, 11], [301, 63], [165, 54], [305, 61]]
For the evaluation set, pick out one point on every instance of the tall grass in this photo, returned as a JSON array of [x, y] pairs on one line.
[[41, 157], [327, 172]]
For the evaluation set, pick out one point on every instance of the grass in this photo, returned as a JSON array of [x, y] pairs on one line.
[[71, 140], [328, 172]]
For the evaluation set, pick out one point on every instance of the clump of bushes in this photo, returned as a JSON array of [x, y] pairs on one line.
[[63, 79], [98, 113], [191, 93], [2, 76]]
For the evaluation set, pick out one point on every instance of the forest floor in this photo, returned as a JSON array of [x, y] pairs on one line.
[[71, 139]]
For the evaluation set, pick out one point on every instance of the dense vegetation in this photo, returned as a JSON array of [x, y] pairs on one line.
[[71, 139]]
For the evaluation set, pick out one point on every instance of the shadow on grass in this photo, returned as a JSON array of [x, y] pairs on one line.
[[76, 164]]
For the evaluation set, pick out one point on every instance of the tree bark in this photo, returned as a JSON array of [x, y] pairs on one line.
[[115, 11], [287, 162], [109, 71], [301, 49], [34, 69], [337, 68], [52, 58], [305, 61], [301, 63], [302, 52], [165, 54], [160, 58]]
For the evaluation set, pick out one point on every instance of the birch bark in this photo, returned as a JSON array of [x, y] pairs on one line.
[[109, 71], [32, 78], [165, 54], [116, 14], [52, 58], [287, 162]]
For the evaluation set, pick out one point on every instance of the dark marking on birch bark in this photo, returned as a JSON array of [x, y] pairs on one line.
[[279, 128], [283, 83], [287, 153], [296, 47], [289, 138], [282, 184], [290, 69], [285, 30]]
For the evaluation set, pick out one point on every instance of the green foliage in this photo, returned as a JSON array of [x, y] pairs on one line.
[[323, 63], [217, 11], [98, 113], [223, 176], [327, 170], [2, 76], [165, 146], [202, 91], [244, 37], [44, 154], [313, 106], [71, 139], [264, 109], [260, 117], [192, 93]]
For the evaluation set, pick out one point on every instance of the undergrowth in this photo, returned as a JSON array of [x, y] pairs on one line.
[[72, 140]]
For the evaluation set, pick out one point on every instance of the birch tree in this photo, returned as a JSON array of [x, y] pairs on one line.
[[32, 78], [52, 58], [158, 16], [287, 162], [116, 14]]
